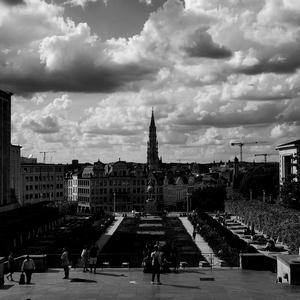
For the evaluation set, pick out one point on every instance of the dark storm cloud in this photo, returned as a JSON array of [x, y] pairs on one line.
[[43, 125], [79, 78], [287, 65], [13, 2], [201, 44], [112, 131]]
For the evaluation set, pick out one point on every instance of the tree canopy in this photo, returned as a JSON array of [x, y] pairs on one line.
[[259, 179], [208, 199]]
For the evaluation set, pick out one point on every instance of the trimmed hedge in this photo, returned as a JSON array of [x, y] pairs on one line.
[[271, 219], [219, 238]]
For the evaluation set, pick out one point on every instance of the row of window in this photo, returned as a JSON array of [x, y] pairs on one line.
[[124, 182], [43, 178], [42, 187], [41, 169], [43, 196], [95, 200], [104, 191]]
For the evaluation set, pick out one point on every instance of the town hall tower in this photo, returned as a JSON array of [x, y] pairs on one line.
[[152, 146]]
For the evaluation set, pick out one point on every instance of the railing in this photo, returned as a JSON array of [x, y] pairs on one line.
[[134, 260], [118, 260], [215, 261], [115, 260]]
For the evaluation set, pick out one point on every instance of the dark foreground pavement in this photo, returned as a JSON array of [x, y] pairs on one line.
[[201, 284]]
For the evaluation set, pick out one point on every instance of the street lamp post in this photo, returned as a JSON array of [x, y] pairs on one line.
[[187, 203], [250, 194], [114, 203], [264, 195]]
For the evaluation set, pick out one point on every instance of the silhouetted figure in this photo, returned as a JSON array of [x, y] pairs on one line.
[[65, 262], [28, 267], [156, 264], [11, 262]]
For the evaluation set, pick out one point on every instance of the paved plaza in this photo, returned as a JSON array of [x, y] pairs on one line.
[[201, 284], [125, 283]]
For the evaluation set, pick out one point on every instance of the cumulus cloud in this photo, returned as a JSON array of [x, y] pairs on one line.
[[201, 44], [212, 70], [42, 124], [81, 3]]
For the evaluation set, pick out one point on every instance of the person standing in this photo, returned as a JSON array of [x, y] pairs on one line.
[[156, 262], [65, 263], [11, 262], [94, 250], [28, 267], [85, 259]]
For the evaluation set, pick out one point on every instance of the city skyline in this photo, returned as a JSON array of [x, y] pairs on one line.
[[86, 74]]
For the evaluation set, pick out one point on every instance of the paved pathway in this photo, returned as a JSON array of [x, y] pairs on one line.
[[133, 284], [207, 252], [109, 232]]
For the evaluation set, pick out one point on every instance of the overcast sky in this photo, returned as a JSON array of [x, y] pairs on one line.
[[86, 73]]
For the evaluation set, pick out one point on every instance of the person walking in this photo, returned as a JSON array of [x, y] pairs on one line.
[[11, 262], [65, 263], [156, 262], [85, 259], [194, 234], [94, 250], [175, 258], [28, 267]]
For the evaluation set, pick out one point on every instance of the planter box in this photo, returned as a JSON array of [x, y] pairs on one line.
[[257, 261], [1, 270], [288, 269], [40, 262]]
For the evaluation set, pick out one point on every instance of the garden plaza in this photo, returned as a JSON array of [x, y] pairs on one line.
[[132, 283]]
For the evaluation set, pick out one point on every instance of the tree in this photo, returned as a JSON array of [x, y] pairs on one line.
[[259, 179], [209, 198]]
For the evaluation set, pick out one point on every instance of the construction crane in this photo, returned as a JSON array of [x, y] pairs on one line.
[[241, 144], [265, 155], [44, 152]]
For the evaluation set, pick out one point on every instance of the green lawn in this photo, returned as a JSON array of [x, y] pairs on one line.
[[128, 241]]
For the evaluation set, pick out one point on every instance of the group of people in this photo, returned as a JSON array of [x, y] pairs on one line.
[[158, 258], [27, 267], [88, 259]]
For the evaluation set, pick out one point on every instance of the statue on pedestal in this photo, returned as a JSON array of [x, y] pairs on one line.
[[150, 190]]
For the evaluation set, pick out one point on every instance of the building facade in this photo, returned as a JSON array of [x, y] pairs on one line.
[[41, 182], [289, 159], [114, 187], [5, 140], [15, 172]]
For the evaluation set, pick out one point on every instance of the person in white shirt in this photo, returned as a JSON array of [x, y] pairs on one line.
[[28, 267], [156, 263]]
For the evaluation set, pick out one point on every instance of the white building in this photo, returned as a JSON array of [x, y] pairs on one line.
[[289, 158]]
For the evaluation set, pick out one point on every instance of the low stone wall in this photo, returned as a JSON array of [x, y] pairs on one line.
[[2, 270], [40, 262], [257, 261]]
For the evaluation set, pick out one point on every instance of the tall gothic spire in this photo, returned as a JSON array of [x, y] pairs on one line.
[[152, 146], [152, 123]]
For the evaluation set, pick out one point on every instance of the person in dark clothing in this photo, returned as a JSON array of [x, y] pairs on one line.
[[94, 250], [65, 263], [11, 262], [194, 234]]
